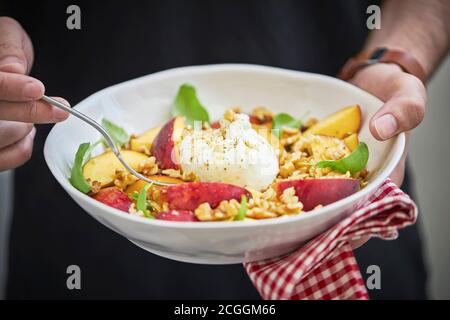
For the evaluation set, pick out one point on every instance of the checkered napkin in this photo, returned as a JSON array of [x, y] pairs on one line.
[[325, 268]]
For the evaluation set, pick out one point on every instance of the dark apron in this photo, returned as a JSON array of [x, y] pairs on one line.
[[123, 40]]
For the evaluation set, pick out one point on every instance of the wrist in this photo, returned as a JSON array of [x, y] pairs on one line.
[[404, 60]]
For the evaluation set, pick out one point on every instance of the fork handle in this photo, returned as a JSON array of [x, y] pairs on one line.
[[105, 134]]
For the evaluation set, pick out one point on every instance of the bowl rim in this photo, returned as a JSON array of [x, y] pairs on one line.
[[395, 155]]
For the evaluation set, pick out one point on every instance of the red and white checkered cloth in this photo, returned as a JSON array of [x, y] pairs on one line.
[[325, 268]]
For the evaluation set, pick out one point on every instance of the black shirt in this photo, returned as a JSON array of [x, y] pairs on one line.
[[120, 40]]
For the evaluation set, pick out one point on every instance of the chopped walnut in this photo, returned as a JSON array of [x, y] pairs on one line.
[[185, 176], [290, 203], [290, 139], [260, 213], [124, 179], [287, 169], [310, 122], [149, 166], [268, 205], [263, 114], [95, 185], [229, 115], [226, 210]]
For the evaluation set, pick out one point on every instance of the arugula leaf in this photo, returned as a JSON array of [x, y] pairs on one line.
[[142, 204], [77, 178], [87, 154], [354, 162], [118, 134], [284, 120], [134, 196], [242, 209], [186, 104]]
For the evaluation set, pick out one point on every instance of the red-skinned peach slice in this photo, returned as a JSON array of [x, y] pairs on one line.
[[113, 197], [314, 192], [176, 215], [188, 196], [164, 147]]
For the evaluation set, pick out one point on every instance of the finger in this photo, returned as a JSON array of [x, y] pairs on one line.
[[355, 244], [18, 153], [35, 111], [18, 87], [11, 132], [398, 174], [404, 111], [15, 47]]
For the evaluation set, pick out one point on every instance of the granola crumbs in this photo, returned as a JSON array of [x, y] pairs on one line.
[[124, 179], [229, 115], [95, 185], [185, 176], [227, 210], [268, 205], [262, 113], [148, 166]]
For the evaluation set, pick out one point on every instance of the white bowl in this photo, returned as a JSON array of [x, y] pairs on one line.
[[145, 102]]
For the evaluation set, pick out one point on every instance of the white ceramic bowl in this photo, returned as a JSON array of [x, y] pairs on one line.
[[145, 102]]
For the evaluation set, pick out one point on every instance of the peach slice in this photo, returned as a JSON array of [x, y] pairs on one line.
[[138, 185], [176, 215], [113, 197], [352, 141], [314, 192], [340, 124], [103, 168], [188, 196], [164, 147], [144, 140]]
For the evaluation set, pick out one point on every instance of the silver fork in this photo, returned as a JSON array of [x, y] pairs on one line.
[[107, 137]]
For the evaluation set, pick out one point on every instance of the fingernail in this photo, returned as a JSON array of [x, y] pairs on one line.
[[12, 64], [33, 90], [386, 126]]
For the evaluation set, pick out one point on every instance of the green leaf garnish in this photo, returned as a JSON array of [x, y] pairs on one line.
[[87, 154], [118, 134], [242, 209], [284, 120], [186, 104], [77, 178], [142, 204], [354, 162]]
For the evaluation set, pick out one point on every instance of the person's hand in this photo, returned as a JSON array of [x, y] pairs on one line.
[[20, 107], [404, 98]]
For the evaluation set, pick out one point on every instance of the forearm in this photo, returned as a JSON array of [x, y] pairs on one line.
[[420, 27]]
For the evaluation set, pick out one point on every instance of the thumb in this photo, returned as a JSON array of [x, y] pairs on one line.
[[402, 112], [15, 47]]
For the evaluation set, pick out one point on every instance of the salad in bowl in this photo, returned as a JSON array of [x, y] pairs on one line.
[[241, 167], [260, 159]]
